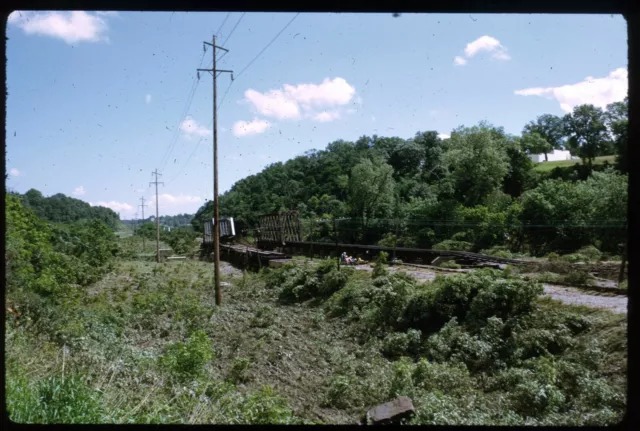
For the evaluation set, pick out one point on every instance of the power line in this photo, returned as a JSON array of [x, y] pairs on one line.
[[232, 30], [267, 46], [189, 158], [256, 57], [225, 20], [176, 132]]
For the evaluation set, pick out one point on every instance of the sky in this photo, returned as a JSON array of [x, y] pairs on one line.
[[99, 100]]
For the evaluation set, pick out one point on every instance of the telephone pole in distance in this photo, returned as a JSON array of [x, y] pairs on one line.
[[216, 229], [157, 217], [142, 224]]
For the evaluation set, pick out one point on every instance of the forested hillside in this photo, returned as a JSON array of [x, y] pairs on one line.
[[64, 209], [474, 190]]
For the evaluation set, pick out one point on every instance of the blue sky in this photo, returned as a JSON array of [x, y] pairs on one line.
[[96, 99]]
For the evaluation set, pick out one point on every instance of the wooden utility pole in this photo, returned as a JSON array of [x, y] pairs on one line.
[[622, 264], [216, 218], [143, 205], [157, 217]]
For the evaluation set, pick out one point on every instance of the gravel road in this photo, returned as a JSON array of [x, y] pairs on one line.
[[570, 295]]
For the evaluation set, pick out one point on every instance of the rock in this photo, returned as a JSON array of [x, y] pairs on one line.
[[390, 412]]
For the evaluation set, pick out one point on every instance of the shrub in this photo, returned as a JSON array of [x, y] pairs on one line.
[[591, 252], [53, 400], [451, 245], [577, 278], [447, 378], [187, 360], [341, 392], [450, 264], [574, 258], [504, 298], [402, 378], [264, 317], [380, 266], [553, 256], [240, 370], [334, 280], [532, 398]]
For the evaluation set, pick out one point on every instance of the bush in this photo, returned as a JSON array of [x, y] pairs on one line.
[[450, 264], [187, 360], [54, 400], [532, 398], [574, 258], [397, 344], [591, 252], [504, 298], [451, 245], [447, 378], [578, 278], [380, 266], [553, 256], [240, 370]]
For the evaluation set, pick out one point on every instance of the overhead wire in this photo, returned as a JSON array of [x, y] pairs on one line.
[[256, 57], [174, 138]]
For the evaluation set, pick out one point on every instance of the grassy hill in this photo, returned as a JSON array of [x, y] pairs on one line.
[[548, 166]]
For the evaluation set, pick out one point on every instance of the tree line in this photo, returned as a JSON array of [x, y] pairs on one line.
[[480, 181], [64, 209]]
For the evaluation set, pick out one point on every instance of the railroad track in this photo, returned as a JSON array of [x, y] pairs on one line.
[[461, 254]]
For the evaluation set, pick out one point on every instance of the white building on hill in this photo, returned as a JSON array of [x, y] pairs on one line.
[[551, 157]]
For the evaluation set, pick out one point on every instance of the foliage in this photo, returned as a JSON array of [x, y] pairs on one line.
[[588, 135], [54, 400], [187, 360], [63, 209], [474, 181], [453, 245], [380, 266], [371, 189]]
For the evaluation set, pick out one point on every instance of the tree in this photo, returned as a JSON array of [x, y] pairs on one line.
[[587, 132], [550, 128], [371, 189], [520, 167], [617, 120], [534, 143], [477, 161]]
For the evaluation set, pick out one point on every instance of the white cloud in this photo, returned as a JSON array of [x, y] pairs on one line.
[[316, 101], [14, 172], [596, 91], [247, 128], [72, 27], [191, 128], [116, 206], [459, 61], [107, 13], [326, 116], [78, 191], [484, 43], [274, 103], [443, 136], [147, 99]]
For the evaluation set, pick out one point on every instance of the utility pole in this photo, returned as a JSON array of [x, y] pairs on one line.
[[216, 228], [135, 224], [143, 205], [157, 217]]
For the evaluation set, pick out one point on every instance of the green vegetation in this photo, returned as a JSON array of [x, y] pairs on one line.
[[548, 166], [124, 341], [476, 190], [64, 209]]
